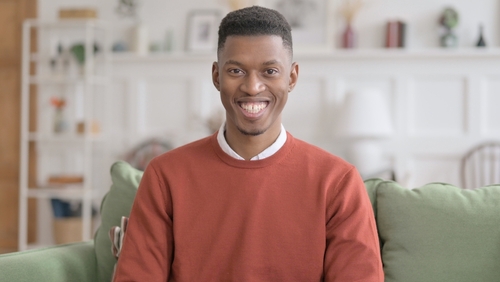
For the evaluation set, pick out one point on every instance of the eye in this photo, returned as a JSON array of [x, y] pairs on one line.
[[271, 71], [235, 71]]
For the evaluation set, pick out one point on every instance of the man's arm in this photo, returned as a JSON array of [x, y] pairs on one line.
[[352, 246], [148, 244]]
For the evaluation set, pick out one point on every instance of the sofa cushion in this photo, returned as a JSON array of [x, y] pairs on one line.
[[117, 203], [439, 232]]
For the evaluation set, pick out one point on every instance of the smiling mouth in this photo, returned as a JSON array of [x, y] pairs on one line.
[[253, 107]]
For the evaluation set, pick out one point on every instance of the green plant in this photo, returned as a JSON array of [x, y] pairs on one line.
[[449, 18], [78, 50]]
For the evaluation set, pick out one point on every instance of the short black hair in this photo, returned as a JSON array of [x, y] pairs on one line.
[[255, 20]]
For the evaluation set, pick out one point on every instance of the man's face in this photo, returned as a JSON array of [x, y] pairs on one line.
[[254, 75]]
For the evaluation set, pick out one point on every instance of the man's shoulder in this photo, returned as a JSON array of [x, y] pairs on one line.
[[195, 149], [319, 155]]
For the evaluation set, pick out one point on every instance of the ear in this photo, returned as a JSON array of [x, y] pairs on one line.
[[215, 75], [294, 76]]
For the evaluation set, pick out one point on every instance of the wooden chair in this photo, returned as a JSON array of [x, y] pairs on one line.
[[481, 166]]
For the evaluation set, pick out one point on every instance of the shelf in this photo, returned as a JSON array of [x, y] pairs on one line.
[[398, 53], [96, 80], [64, 137], [128, 57], [375, 53], [93, 74], [73, 191], [98, 58], [68, 23]]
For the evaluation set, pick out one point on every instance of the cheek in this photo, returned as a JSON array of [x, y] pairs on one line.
[[225, 98], [283, 100], [228, 86], [280, 90]]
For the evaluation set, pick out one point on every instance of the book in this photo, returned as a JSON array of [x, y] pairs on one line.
[[395, 34], [401, 34], [77, 13]]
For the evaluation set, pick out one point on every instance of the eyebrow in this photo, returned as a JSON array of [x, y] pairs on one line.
[[268, 63], [271, 62]]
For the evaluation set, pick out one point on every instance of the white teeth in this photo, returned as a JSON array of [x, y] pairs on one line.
[[253, 108]]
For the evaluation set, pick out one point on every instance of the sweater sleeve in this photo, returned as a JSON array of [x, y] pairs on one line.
[[352, 246], [148, 244]]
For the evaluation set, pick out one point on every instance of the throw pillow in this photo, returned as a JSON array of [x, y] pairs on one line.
[[371, 188], [439, 233], [117, 203]]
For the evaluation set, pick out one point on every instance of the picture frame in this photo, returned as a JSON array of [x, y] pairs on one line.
[[201, 31], [312, 22]]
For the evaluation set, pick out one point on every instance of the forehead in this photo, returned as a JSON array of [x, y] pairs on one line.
[[254, 47]]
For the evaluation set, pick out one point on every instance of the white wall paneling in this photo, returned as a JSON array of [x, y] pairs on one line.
[[162, 100], [442, 102], [490, 102], [428, 168], [437, 106], [307, 105], [439, 101]]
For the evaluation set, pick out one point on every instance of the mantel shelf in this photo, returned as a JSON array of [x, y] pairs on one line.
[[339, 54]]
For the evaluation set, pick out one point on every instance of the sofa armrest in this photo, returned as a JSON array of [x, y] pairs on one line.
[[70, 262]]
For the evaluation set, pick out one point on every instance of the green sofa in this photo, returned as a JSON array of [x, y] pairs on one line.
[[437, 232]]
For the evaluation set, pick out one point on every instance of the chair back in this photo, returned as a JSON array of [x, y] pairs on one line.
[[481, 166]]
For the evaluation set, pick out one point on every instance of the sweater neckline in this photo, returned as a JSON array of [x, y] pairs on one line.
[[274, 159]]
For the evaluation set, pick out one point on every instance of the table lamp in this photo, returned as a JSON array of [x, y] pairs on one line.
[[366, 120]]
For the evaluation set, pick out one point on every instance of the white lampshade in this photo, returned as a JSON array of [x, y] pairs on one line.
[[366, 114]]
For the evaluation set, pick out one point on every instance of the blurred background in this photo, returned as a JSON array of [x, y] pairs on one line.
[[403, 89]]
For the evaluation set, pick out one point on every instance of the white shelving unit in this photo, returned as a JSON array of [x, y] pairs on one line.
[[92, 79]]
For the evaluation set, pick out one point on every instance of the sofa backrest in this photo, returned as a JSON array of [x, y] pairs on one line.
[[437, 232]]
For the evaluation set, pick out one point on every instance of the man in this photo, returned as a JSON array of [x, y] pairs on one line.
[[251, 202]]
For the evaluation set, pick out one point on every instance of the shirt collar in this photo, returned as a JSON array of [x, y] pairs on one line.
[[271, 150]]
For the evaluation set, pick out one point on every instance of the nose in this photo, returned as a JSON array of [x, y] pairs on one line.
[[253, 84]]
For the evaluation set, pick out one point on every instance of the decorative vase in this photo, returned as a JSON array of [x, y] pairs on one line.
[[348, 37], [449, 39], [481, 42], [60, 123]]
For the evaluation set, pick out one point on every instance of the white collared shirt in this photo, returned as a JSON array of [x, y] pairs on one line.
[[271, 150]]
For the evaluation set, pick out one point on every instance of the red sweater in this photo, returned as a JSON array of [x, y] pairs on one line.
[[300, 215]]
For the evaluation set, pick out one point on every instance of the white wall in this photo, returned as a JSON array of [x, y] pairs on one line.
[[441, 103], [137, 80]]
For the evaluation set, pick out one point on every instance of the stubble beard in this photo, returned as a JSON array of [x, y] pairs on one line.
[[254, 133]]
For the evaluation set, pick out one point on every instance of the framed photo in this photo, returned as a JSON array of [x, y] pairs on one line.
[[311, 20], [202, 27]]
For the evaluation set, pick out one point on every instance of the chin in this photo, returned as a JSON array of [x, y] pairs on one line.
[[254, 132]]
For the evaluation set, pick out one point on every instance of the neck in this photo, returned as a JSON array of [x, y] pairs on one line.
[[248, 146]]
